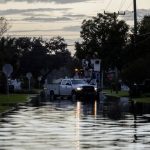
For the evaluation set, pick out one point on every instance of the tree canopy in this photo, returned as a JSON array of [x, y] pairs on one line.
[[4, 25], [106, 36], [138, 54], [111, 40], [33, 54]]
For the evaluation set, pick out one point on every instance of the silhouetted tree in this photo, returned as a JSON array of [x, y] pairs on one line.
[[137, 65], [105, 35], [4, 25]]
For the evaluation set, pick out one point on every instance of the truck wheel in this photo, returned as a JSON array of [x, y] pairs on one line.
[[73, 96], [52, 96]]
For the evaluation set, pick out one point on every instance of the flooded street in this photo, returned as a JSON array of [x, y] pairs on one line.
[[63, 124]]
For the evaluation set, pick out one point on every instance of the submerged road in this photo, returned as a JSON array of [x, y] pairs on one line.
[[63, 124]]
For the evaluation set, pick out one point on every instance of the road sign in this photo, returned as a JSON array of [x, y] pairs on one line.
[[96, 64], [29, 75], [7, 69]]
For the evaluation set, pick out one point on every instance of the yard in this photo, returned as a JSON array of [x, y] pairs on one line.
[[7, 101]]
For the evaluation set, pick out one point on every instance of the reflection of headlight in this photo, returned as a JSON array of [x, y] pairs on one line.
[[79, 88], [95, 88]]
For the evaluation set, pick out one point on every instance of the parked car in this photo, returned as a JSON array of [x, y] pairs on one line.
[[74, 88]]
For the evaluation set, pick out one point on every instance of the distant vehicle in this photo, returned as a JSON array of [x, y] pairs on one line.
[[74, 88]]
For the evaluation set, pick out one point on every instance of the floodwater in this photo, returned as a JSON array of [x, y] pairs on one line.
[[66, 125]]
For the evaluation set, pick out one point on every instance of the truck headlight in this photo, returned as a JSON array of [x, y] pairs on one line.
[[79, 88], [95, 88]]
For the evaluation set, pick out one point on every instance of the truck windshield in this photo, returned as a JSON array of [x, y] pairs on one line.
[[78, 82]]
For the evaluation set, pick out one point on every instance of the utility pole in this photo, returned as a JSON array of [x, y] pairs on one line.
[[115, 15], [135, 21], [135, 17]]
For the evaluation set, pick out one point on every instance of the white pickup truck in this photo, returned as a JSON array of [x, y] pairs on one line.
[[74, 88]]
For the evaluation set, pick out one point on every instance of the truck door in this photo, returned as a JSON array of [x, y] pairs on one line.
[[63, 87], [68, 87]]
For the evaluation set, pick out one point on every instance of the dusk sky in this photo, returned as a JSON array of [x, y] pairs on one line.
[[49, 18]]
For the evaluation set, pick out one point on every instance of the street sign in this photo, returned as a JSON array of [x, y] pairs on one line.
[[96, 64], [29, 75], [7, 69]]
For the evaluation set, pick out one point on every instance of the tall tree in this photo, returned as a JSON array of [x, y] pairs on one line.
[[105, 35], [56, 44], [34, 54], [138, 60], [4, 25]]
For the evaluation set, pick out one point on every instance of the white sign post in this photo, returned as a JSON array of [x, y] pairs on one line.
[[29, 76], [96, 64], [7, 70], [97, 69]]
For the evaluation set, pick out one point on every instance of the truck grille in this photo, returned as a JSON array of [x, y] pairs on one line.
[[88, 88]]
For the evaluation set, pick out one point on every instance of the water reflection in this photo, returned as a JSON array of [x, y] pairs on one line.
[[64, 124]]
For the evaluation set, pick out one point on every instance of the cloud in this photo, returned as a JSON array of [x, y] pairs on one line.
[[37, 15], [47, 1], [20, 11], [69, 29], [78, 16], [72, 28], [38, 19], [129, 16], [47, 18], [29, 31]]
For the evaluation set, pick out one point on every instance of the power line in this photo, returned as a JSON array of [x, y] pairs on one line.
[[115, 15], [108, 4], [129, 5], [122, 4]]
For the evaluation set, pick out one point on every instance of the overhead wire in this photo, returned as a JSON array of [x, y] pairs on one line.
[[122, 4], [129, 5], [107, 6], [126, 7]]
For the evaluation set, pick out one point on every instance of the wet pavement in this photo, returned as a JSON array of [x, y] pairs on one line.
[[63, 124]]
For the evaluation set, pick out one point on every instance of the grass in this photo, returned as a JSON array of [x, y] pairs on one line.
[[114, 94], [7, 101], [144, 99], [141, 100]]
